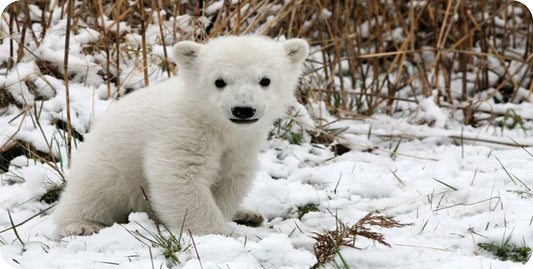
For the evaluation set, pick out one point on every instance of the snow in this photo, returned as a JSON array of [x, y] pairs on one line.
[[455, 192], [483, 205]]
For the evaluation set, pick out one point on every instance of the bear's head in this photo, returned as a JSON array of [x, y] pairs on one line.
[[242, 79]]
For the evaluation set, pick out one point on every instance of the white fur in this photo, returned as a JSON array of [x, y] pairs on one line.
[[177, 141]]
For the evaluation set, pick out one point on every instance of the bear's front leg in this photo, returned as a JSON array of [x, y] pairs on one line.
[[237, 173], [179, 190]]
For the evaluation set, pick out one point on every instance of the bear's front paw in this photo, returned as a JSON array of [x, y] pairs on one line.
[[248, 217], [81, 227]]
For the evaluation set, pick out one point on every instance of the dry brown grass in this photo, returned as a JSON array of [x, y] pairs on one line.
[[366, 57], [380, 50], [328, 244]]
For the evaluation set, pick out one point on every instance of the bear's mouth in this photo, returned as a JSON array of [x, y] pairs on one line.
[[243, 121]]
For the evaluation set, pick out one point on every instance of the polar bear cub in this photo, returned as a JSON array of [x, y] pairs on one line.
[[191, 141]]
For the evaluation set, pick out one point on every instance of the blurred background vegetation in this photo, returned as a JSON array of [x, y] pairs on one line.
[[367, 57]]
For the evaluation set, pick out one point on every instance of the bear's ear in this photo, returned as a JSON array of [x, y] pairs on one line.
[[297, 50], [186, 52]]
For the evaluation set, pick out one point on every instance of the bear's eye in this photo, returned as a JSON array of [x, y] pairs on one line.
[[264, 82], [220, 83]]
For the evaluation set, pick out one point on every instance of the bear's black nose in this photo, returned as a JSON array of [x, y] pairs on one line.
[[243, 112]]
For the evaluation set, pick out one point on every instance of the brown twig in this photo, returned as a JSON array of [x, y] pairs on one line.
[[151, 211], [70, 9], [143, 43], [195, 249], [28, 219]]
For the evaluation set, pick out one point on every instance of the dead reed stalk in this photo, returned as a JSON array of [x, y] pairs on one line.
[[366, 57], [143, 43], [70, 9]]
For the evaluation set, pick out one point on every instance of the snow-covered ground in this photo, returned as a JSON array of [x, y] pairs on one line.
[[455, 194], [457, 186]]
